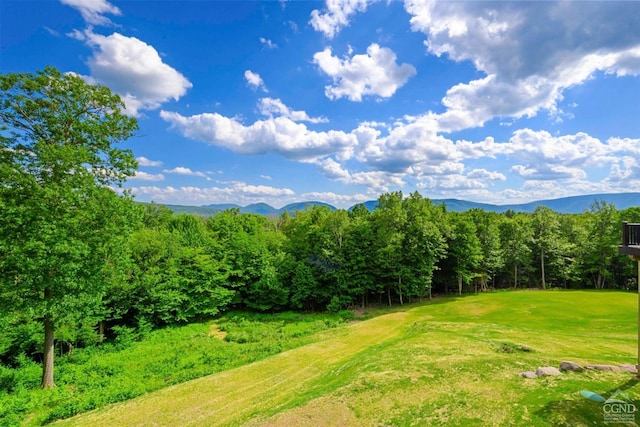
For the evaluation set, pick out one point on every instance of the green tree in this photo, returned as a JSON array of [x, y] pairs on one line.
[[389, 221], [423, 242], [358, 257], [516, 235], [604, 238], [465, 252], [488, 232], [59, 220], [546, 228]]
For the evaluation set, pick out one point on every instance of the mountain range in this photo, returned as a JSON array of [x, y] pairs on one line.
[[575, 204]]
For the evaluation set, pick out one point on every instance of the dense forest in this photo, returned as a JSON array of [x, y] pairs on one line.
[[81, 263], [181, 268]]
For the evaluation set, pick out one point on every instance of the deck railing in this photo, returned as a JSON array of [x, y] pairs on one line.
[[630, 239], [630, 234]]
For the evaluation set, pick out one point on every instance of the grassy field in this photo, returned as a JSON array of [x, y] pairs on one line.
[[437, 363]]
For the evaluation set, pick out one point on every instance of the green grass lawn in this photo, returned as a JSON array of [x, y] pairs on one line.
[[430, 364]]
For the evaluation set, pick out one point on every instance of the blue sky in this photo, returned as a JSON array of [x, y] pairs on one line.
[[340, 101]]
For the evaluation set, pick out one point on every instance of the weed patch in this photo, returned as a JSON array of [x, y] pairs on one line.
[[132, 364]]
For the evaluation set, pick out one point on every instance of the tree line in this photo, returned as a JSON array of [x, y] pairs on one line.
[[81, 262], [182, 268]]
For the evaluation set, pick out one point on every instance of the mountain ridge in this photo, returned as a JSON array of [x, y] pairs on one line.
[[565, 205]]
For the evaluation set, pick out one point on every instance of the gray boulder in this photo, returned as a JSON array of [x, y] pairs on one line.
[[547, 371], [570, 366], [603, 367], [528, 374], [627, 367]]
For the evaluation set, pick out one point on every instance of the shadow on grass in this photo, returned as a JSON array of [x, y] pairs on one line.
[[584, 412]]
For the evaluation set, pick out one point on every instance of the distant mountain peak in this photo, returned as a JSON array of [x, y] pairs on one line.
[[572, 204]]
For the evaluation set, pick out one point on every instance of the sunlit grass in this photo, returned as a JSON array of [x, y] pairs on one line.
[[133, 365], [433, 364]]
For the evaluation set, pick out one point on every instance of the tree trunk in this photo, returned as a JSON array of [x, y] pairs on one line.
[[389, 295], [544, 286], [515, 276], [400, 289], [47, 362], [459, 284], [101, 330]]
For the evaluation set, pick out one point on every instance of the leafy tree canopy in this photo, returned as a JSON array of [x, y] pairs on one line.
[[60, 222]]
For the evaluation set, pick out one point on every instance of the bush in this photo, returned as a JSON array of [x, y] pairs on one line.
[[346, 315], [7, 379]]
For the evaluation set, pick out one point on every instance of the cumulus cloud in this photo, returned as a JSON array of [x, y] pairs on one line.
[[93, 11], [336, 16], [485, 174], [144, 176], [134, 70], [541, 148], [624, 169], [374, 73], [341, 201], [180, 170], [375, 181], [270, 107], [228, 192], [279, 135], [548, 172], [527, 66], [407, 145], [143, 161], [382, 157], [254, 80]]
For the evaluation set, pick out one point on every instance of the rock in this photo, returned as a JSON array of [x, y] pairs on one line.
[[546, 371], [528, 374], [603, 367], [570, 366], [627, 367]]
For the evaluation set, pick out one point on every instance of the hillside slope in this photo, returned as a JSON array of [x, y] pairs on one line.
[[434, 364]]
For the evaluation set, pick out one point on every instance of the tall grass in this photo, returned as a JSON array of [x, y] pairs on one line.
[[132, 365], [437, 364]]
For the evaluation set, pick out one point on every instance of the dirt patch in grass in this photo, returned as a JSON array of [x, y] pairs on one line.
[[216, 332], [323, 412], [507, 347]]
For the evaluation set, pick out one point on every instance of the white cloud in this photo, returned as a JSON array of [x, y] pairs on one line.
[[485, 174], [340, 201], [229, 192], [383, 157], [270, 107], [548, 172], [268, 43], [337, 15], [527, 65], [180, 170], [93, 11], [254, 80], [406, 146], [375, 181], [275, 135], [267, 177], [624, 169], [134, 70], [144, 176], [374, 73], [541, 148], [143, 161]]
